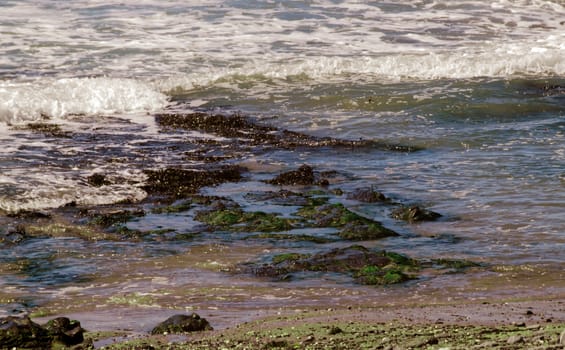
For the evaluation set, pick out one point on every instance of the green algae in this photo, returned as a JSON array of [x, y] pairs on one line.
[[353, 226], [58, 229], [175, 208], [241, 221], [375, 275], [288, 257], [291, 237], [115, 218]]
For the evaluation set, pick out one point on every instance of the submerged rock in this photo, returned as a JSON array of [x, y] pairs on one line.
[[97, 180], [353, 226], [364, 265], [248, 132], [414, 214], [302, 176], [182, 324], [367, 195], [47, 129]]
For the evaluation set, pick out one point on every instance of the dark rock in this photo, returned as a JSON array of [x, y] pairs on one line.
[[365, 231], [353, 226], [107, 219], [65, 331], [182, 183], [303, 176], [47, 129], [335, 330], [33, 215], [97, 180], [13, 235], [23, 333], [364, 265], [247, 132], [282, 197], [367, 195], [182, 324], [414, 214]]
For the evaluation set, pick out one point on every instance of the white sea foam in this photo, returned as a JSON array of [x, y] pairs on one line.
[[51, 189], [24, 101]]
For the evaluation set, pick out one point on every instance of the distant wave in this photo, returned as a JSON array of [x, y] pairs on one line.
[[497, 61]]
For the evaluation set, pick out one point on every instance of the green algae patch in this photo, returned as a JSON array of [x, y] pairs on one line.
[[288, 257], [174, 208], [353, 226], [372, 275], [291, 237], [414, 214], [66, 230], [241, 221], [363, 265], [115, 218]]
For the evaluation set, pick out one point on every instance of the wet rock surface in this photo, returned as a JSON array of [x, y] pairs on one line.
[[414, 214], [23, 333], [182, 324], [316, 218], [245, 131], [302, 176], [180, 183]]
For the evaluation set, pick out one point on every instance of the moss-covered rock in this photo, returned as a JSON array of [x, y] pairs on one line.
[[414, 214], [23, 333], [290, 237], [241, 221], [113, 218], [288, 257], [364, 265], [372, 275], [65, 331], [352, 225]]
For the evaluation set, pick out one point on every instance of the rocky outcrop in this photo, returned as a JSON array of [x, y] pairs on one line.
[[23, 333]]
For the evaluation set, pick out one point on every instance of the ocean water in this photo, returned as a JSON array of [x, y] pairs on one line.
[[480, 85]]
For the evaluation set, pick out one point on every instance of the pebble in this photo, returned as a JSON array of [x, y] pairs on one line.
[[515, 339]]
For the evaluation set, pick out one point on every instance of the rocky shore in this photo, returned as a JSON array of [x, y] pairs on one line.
[[312, 229]]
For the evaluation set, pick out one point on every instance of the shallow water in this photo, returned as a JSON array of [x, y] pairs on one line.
[[478, 85]]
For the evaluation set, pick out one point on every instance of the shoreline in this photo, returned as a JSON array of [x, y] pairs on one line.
[[516, 324]]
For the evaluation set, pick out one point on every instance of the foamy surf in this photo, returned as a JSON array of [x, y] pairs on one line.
[[31, 100]]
